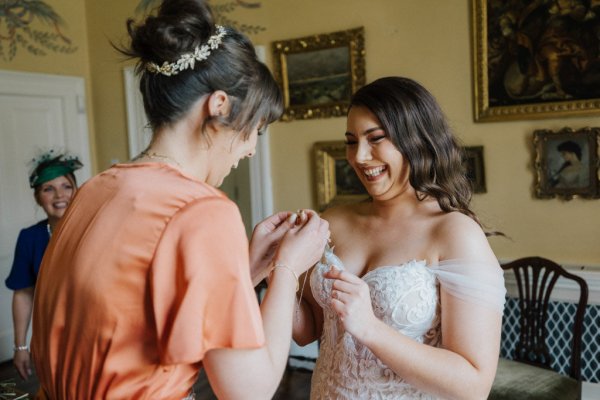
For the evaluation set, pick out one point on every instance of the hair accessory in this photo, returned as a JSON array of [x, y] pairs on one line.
[[50, 165], [188, 60]]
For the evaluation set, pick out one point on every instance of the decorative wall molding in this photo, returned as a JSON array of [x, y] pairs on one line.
[[138, 130], [565, 290], [261, 186]]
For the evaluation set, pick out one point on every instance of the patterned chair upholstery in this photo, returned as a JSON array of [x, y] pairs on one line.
[[530, 376]]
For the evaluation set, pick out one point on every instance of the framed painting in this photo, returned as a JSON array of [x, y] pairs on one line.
[[319, 73], [475, 169], [535, 59], [566, 163], [335, 179]]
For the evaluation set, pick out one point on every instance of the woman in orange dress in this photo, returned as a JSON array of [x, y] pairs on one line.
[[150, 275]]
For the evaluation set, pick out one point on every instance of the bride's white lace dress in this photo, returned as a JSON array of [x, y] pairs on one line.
[[406, 298]]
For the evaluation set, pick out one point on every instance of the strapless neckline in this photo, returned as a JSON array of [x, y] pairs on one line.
[[406, 298], [414, 261]]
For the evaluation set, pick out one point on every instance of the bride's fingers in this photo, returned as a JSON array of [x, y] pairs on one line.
[[334, 273], [344, 286], [338, 307], [341, 297]]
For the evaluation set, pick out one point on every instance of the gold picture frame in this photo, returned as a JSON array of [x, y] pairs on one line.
[[475, 168], [567, 163], [526, 67], [319, 73], [337, 183], [335, 180]]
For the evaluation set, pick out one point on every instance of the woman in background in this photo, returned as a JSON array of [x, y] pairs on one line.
[[54, 184], [412, 307], [572, 173], [150, 275]]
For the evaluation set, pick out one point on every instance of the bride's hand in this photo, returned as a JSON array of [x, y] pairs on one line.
[[351, 300]]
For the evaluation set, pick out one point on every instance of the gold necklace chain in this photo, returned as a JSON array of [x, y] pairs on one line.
[[157, 156]]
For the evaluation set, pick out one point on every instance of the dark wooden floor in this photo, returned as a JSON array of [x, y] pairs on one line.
[[295, 385]]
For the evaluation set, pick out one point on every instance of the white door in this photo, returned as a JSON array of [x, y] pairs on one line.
[[36, 112]]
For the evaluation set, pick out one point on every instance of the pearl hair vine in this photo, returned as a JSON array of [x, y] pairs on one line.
[[188, 60]]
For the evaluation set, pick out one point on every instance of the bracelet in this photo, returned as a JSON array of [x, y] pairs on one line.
[[279, 265], [21, 348]]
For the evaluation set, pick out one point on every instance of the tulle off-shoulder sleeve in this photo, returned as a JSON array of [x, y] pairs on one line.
[[471, 281]]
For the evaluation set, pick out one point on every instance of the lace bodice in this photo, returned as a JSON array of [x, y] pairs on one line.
[[405, 297]]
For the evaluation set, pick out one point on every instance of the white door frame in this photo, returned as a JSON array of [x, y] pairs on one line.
[[71, 90]]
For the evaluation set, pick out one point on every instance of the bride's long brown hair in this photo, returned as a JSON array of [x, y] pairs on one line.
[[415, 123]]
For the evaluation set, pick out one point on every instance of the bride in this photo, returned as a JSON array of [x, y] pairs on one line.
[[412, 307]]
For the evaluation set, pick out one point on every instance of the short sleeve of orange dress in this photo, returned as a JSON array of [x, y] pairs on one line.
[[201, 290]]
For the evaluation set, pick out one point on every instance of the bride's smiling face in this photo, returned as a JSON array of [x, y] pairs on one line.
[[379, 165]]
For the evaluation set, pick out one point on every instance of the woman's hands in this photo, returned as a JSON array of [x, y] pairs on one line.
[[22, 304], [351, 300], [298, 240], [303, 244], [264, 242], [22, 362]]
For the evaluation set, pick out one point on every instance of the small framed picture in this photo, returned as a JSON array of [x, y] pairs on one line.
[[319, 73], [475, 169], [566, 163], [335, 179]]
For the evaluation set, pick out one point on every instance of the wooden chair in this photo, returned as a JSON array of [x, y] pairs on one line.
[[530, 375]]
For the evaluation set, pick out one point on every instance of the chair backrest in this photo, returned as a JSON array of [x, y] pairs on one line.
[[536, 278]]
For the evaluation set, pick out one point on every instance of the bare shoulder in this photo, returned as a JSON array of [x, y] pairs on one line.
[[460, 237], [341, 214], [341, 218]]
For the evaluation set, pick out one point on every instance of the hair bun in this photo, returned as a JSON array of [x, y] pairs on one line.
[[177, 27]]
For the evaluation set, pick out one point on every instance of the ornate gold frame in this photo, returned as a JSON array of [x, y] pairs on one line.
[[545, 141], [352, 38], [474, 160], [325, 156], [483, 112]]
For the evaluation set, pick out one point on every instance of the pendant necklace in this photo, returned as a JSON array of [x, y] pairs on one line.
[[49, 230], [299, 305], [157, 156]]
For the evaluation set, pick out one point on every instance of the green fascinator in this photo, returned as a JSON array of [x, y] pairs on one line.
[[51, 165]]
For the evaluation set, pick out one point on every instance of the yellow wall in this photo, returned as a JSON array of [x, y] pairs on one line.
[[73, 64], [429, 41], [106, 23]]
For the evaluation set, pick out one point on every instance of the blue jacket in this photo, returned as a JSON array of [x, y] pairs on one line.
[[31, 245]]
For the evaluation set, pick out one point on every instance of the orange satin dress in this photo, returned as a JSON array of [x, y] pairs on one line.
[[147, 271]]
